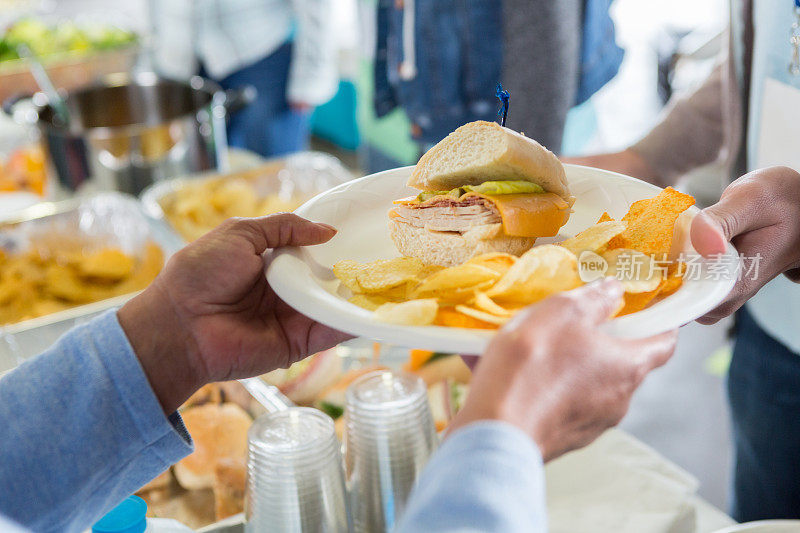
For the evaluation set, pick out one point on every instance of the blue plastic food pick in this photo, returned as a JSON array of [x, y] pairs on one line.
[[504, 97]]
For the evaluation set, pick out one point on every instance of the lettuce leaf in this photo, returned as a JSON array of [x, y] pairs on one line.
[[487, 187], [504, 187]]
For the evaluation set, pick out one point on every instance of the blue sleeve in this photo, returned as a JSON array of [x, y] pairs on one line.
[[487, 477], [81, 430]]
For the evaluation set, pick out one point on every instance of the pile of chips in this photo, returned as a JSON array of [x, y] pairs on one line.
[[487, 290]]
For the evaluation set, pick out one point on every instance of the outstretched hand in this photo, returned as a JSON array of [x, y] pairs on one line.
[[555, 374], [760, 214], [212, 316]]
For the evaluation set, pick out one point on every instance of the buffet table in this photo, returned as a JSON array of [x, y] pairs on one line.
[[616, 485]]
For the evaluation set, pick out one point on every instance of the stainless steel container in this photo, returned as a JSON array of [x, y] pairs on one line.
[[131, 131]]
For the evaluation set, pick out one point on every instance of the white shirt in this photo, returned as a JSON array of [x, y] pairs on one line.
[[776, 308], [227, 35]]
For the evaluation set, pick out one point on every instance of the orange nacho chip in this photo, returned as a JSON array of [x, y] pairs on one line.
[[637, 301], [669, 285], [673, 281], [605, 217], [651, 223], [447, 316]]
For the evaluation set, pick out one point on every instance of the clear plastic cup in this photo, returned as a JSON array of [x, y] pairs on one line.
[[295, 481], [389, 436]]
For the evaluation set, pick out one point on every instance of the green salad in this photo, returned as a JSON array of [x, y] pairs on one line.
[[46, 40]]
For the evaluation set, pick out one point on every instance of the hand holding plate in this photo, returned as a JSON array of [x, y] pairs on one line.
[[553, 373], [212, 316]]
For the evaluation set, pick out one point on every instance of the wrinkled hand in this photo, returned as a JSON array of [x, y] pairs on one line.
[[553, 372], [211, 315], [760, 214], [626, 162]]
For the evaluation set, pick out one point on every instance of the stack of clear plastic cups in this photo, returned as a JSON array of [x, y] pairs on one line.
[[295, 481], [389, 436]]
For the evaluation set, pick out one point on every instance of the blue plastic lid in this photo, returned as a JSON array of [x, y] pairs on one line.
[[127, 517]]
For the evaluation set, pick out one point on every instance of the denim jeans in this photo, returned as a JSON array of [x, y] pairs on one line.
[[268, 126], [764, 393]]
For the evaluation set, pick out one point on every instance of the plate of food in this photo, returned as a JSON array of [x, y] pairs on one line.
[[439, 255]]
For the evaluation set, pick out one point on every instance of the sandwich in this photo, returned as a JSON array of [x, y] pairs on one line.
[[484, 188]]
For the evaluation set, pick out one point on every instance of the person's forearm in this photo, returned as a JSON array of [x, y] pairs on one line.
[[487, 477], [689, 135], [163, 346], [82, 429]]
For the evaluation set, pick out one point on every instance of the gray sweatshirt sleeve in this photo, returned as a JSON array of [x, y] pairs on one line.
[[690, 133]]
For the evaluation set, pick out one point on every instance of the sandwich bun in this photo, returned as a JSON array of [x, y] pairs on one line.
[[485, 151], [452, 248], [219, 431]]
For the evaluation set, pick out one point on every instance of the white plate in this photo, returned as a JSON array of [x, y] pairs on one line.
[[764, 526], [303, 278]]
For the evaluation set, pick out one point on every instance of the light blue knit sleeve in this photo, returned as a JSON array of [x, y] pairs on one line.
[[486, 477], [81, 429]]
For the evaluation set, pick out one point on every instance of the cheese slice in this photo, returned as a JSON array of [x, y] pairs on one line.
[[530, 215], [523, 215]]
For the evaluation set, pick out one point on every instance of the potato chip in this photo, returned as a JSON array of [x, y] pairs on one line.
[[108, 263], [605, 217], [428, 270], [57, 275], [449, 317], [651, 223], [636, 271], [498, 261], [368, 301], [146, 270], [346, 271], [63, 283], [482, 315], [540, 272], [457, 283], [384, 274], [486, 304], [594, 238], [399, 293], [411, 313]]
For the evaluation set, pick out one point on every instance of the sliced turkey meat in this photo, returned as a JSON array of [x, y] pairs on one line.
[[449, 215]]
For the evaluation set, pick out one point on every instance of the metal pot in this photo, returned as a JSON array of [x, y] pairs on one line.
[[130, 131]]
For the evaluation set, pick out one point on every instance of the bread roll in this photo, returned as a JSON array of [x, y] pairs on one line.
[[219, 431], [452, 248], [230, 478], [485, 151]]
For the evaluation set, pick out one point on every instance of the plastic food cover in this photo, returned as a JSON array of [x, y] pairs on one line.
[[105, 219]]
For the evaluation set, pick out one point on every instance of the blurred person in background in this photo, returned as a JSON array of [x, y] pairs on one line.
[[94, 417], [747, 114], [286, 49], [440, 60]]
